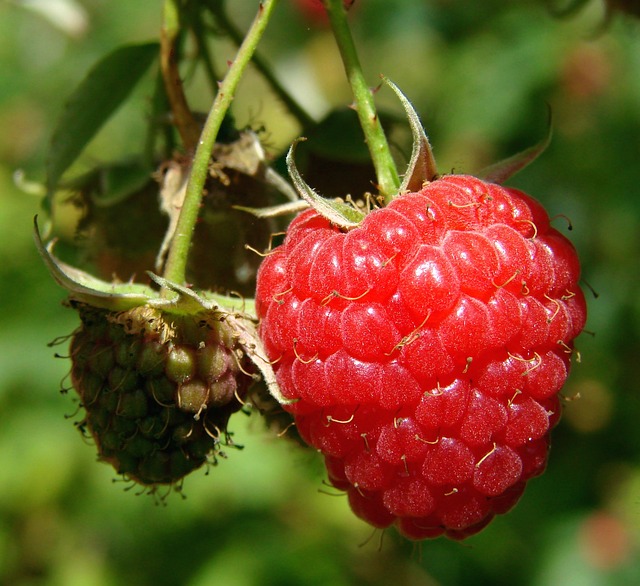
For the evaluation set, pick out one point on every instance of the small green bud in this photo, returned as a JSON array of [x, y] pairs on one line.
[[180, 364], [151, 359], [222, 392], [193, 396], [213, 362], [126, 353], [162, 390]]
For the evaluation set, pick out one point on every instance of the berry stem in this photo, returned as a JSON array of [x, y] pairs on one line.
[[175, 269], [169, 39], [303, 117], [200, 30], [386, 171]]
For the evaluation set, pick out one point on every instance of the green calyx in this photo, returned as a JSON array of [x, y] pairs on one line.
[[338, 212], [421, 169], [85, 288], [347, 214]]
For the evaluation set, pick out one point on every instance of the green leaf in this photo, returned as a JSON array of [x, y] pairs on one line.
[[502, 171], [121, 180], [111, 184], [97, 97], [339, 137]]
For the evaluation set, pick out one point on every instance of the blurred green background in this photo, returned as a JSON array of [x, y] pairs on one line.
[[481, 75]]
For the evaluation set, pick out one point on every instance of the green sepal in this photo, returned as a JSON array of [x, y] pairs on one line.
[[292, 207], [338, 212], [502, 171], [239, 317], [422, 165], [189, 301], [88, 289]]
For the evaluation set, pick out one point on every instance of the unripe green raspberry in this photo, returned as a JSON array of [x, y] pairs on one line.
[[158, 389]]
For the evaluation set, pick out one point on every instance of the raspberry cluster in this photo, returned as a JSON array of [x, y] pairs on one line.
[[158, 389], [423, 351]]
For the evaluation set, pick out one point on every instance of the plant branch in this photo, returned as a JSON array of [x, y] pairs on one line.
[[183, 118], [200, 31], [386, 171], [305, 120], [175, 269]]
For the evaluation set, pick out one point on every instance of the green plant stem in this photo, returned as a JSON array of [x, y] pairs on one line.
[[175, 269], [200, 34], [386, 171], [305, 119], [170, 34]]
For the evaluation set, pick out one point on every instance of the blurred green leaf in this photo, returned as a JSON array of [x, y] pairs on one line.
[[503, 170], [118, 181], [97, 97]]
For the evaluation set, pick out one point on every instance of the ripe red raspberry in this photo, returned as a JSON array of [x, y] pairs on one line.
[[423, 350], [315, 12]]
